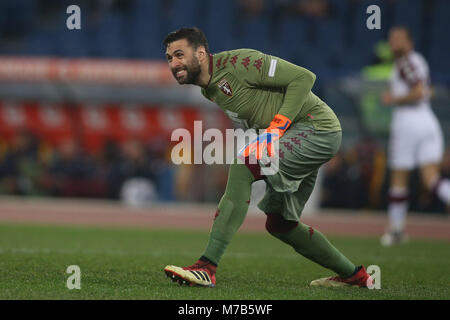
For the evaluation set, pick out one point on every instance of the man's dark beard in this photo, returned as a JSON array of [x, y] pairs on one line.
[[192, 73], [399, 53]]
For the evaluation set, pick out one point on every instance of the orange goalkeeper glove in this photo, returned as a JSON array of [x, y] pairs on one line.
[[265, 141]]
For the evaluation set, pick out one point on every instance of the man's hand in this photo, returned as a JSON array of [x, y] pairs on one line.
[[265, 141], [387, 99], [416, 93]]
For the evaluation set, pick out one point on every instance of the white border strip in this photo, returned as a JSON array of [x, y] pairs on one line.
[[273, 67]]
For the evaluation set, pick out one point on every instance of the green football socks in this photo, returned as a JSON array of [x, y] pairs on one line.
[[312, 244], [231, 212]]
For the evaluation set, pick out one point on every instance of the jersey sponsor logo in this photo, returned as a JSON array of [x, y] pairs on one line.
[[296, 141], [219, 62], [258, 64], [272, 68], [225, 62], [233, 60], [245, 62], [225, 87], [311, 232], [217, 213], [303, 135], [287, 145]]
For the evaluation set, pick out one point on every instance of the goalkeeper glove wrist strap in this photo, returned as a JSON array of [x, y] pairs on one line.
[[280, 122]]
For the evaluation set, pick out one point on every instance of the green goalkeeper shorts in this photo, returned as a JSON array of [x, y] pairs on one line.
[[302, 151]]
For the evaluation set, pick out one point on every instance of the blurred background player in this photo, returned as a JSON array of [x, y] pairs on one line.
[[416, 138]]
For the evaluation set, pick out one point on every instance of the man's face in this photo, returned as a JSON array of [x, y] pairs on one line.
[[399, 42], [183, 62]]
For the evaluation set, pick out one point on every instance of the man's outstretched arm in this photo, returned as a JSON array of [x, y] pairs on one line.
[[275, 72], [296, 83]]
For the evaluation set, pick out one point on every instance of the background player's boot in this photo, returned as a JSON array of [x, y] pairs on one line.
[[393, 237], [360, 279], [200, 273]]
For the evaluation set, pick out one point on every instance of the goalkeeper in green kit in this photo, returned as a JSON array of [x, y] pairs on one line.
[[267, 93]]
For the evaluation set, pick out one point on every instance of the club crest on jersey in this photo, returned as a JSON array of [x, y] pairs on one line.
[[225, 87]]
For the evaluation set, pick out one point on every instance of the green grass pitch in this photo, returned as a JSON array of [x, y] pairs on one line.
[[128, 264]]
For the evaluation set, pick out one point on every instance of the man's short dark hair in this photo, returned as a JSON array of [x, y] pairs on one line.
[[194, 36]]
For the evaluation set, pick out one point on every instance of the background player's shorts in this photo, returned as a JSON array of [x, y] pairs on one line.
[[302, 151], [415, 143]]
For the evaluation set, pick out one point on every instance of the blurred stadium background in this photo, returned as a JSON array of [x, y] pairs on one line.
[[88, 113]]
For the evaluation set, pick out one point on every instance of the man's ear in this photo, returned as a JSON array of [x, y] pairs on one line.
[[201, 53]]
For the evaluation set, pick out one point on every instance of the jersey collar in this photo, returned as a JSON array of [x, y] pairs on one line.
[[211, 69]]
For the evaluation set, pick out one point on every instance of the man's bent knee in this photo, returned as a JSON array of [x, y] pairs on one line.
[[276, 224]]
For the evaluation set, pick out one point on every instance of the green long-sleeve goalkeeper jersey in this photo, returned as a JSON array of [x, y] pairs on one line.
[[252, 87]]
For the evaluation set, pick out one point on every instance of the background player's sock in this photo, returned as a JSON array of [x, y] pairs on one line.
[[312, 244], [443, 190], [231, 211], [397, 209]]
